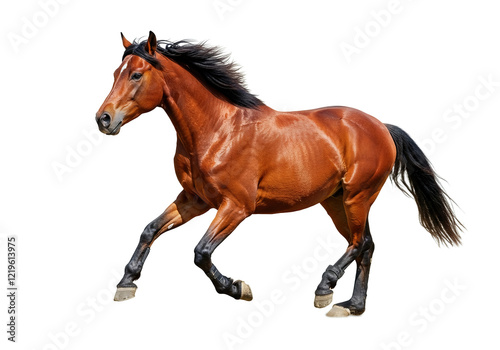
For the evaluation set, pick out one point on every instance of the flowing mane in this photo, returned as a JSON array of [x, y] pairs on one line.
[[208, 64]]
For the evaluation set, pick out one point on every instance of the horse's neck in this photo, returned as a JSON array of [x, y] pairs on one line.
[[195, 112]]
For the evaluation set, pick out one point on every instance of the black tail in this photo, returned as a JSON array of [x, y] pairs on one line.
[[434, 205]]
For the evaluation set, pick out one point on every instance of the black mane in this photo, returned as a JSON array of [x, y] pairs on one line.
[[208, 64]]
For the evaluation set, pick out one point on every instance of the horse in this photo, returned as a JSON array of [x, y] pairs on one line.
[[241, 157]]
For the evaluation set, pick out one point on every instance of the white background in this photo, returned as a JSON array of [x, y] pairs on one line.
[[76, 232]]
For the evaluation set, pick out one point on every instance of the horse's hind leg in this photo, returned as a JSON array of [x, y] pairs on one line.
[[334, 206], [356, 305], [349, 213]]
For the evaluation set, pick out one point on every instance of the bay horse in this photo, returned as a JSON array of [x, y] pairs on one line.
[[241, 157]]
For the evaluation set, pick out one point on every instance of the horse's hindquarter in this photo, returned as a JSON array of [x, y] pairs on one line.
[[371, 152]]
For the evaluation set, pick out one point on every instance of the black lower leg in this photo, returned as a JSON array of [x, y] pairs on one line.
[[222, 284], [354, 252], [358, 300], [334, 272], [134, 267], [329, 280]]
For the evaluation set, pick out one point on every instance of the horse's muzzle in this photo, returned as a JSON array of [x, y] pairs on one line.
[[105, 123]]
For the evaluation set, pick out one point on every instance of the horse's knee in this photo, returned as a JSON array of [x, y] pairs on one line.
[[149, 233], [202, 258]]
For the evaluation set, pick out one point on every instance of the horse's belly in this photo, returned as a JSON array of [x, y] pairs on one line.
[[291, 192]]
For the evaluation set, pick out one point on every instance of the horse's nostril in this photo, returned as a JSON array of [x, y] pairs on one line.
[[105, 120]]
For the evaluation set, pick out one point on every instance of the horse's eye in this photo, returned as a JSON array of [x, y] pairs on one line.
[[136, 76]]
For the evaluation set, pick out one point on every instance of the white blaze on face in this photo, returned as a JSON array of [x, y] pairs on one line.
[[124, 67]]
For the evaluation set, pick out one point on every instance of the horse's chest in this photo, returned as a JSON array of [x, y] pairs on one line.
[[183, 170], [194, 180]]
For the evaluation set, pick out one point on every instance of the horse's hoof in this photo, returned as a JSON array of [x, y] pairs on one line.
[[125, 293], [246, 292], [321, 301], [338, 311]]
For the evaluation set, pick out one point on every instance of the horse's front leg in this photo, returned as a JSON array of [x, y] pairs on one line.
[[179, 212], [228, 217]]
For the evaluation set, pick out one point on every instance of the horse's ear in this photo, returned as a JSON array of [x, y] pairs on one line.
[[125, 42], [151, 43]]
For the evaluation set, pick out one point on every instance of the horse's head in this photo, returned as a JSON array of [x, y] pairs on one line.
[[137, 89]]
